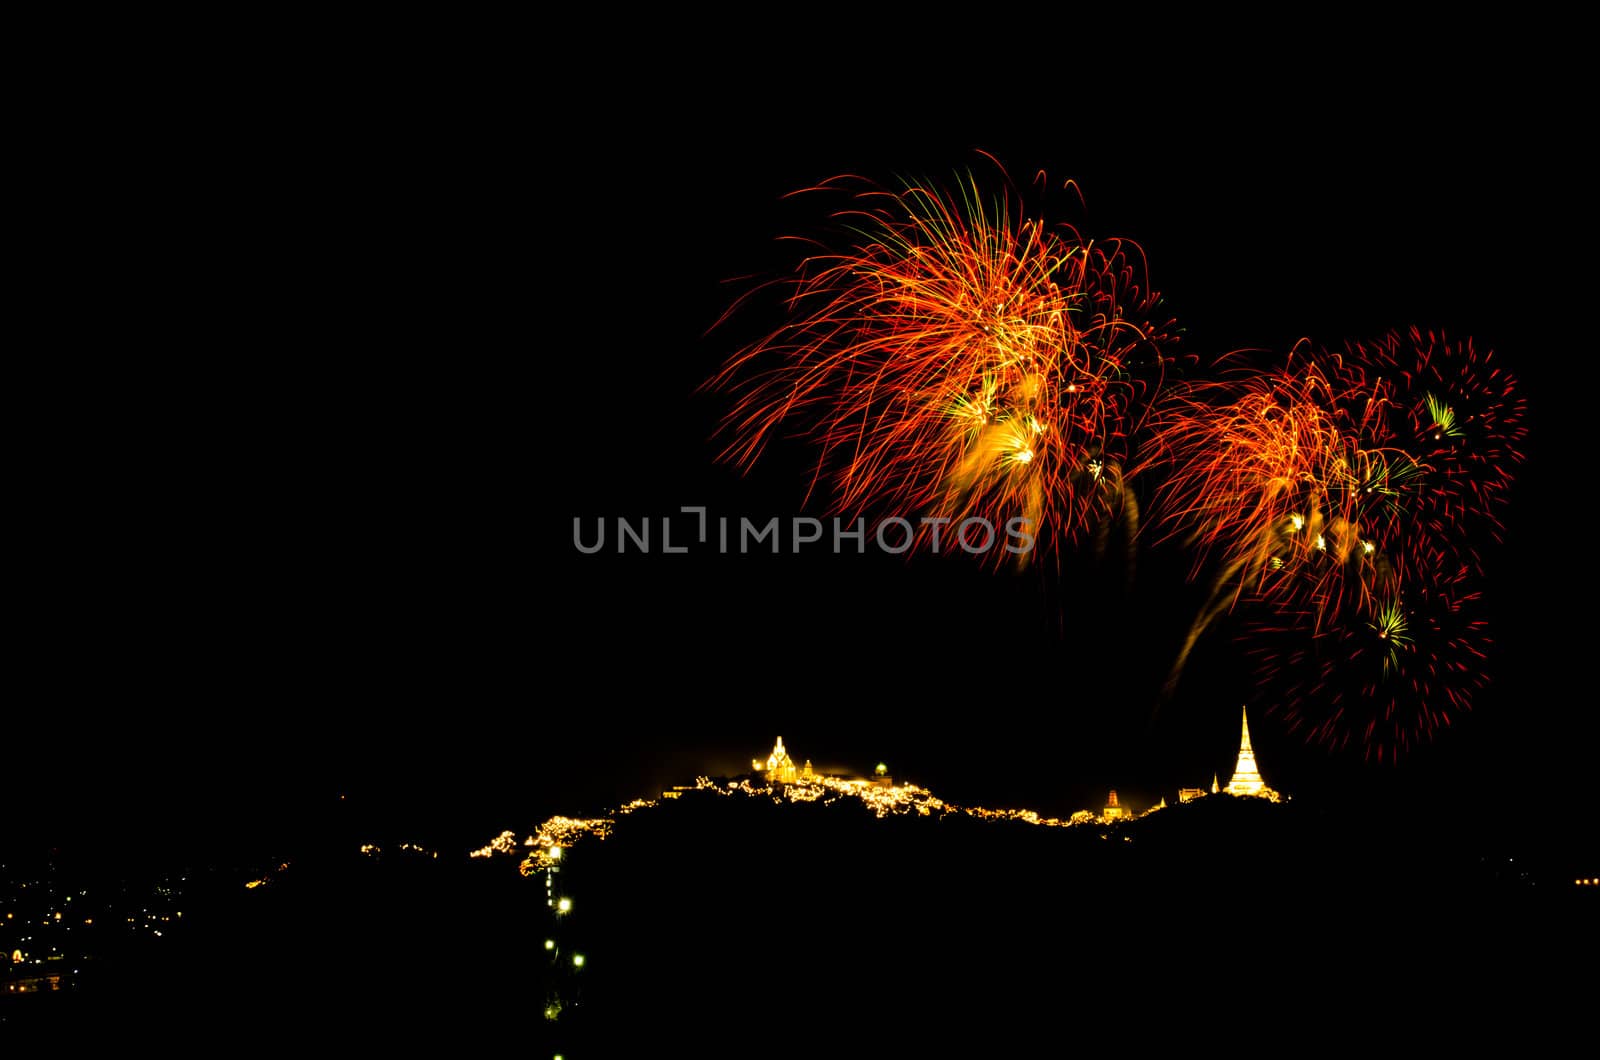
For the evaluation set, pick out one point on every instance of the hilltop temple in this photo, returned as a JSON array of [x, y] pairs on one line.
[[780, 768], [1246, 778]]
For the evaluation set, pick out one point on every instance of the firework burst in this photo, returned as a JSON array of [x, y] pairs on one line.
[[949, 356], [1384, 673], [1461, 417], [1338, 498], [957, 359], [1286, 481], [1282, 471]]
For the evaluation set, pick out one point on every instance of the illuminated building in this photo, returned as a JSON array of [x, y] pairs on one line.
[[1246, 778], [1113, 811], [779, 767]]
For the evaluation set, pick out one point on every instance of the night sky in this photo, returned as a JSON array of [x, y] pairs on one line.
[[356, 359]]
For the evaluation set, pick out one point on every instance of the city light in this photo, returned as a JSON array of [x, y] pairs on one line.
[[564, 906], [577, 960], [504, 843], [559, 833]]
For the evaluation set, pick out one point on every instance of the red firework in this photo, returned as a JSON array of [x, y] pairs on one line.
[[1383, 672], [956, 360], [1461, 416]]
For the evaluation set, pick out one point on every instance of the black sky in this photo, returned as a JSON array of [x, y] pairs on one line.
[[358, 354]]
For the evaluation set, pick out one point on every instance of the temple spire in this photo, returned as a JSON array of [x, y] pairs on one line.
[[780, 767], [1246, 777]]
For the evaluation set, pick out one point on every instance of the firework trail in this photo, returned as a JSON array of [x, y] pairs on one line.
[[957, 359]]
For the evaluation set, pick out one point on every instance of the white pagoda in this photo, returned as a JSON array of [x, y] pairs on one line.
[[1246, 777]]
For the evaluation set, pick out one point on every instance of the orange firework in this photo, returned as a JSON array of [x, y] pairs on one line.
[[1339, 497], [1291, 470], [1288, 480], [956, 360], [1394, 662]]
